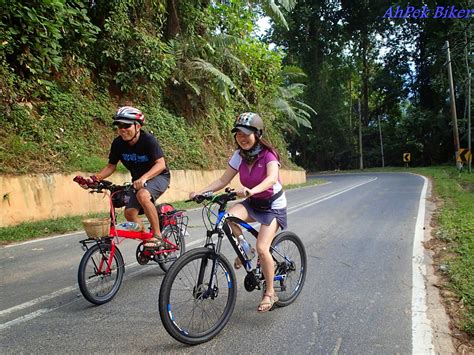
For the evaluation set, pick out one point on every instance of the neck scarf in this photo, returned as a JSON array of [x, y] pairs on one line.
[[250, 155]]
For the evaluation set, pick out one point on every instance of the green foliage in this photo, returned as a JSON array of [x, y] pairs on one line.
[[133, 52], [34, 33], [181, 143], [58, 97]]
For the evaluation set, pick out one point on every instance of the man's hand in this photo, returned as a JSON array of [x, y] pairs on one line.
[[138, 184], [86, 183], [82, 181]]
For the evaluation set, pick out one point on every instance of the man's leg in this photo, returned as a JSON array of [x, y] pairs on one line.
[[131, 215], [144, 198]]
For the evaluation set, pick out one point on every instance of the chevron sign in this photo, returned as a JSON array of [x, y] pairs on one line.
[[464, 155]]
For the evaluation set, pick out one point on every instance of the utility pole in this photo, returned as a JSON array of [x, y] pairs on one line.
[[453, 104], [381, 142], [350, 103], [469, 139], [361, 158]]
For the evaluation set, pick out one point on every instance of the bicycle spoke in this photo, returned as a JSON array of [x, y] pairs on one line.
[[193, 306]]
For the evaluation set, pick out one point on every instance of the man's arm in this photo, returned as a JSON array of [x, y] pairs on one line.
[[106, 172], [155, 170]]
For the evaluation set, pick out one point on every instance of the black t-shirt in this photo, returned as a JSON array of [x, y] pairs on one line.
[[138, 158]]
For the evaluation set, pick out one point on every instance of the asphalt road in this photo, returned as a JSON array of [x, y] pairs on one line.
[[358, 231]]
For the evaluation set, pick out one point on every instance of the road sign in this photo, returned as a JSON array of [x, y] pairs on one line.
[[464, 155], [406, 157]]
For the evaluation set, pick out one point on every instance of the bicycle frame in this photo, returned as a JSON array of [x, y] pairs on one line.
[[222, 228], [115, 233]]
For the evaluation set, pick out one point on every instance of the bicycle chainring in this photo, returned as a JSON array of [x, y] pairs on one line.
[[141, 256], [250, 282]]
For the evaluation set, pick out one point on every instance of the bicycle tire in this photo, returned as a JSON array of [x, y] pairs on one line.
[[175, 235], [290, 254], [180, 298], [97, 287]]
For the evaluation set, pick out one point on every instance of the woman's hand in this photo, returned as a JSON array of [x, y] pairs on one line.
[[243, 192], [138, 184], [192, 194]]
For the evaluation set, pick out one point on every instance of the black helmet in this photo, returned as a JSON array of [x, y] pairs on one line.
[[249, 122], [129, 114]]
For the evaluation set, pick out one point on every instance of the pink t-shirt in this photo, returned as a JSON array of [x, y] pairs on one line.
[[252, 175]]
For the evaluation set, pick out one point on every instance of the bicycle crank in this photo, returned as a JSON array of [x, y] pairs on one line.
[[251, 282]]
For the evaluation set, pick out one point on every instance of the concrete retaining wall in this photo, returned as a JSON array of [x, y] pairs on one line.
[[47, 196]]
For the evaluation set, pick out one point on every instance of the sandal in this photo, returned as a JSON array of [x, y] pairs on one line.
[[267, 306], [155, 243]]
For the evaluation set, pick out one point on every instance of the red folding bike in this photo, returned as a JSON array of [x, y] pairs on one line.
[[102, 267]]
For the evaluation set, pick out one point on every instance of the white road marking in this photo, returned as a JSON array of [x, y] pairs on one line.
[[24, 318], [337, 347], [42, 239], [37, 300], [422, 337], [306, 204]]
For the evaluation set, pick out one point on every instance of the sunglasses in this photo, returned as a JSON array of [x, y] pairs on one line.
[[123, 125]]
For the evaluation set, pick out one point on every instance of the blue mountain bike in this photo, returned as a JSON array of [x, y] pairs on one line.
[[198, 293]]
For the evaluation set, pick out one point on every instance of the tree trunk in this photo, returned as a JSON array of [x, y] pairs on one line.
[[173, 28]]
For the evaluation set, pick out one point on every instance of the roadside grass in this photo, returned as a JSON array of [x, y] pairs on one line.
[[40, 229], [32, 230], [454, 227]]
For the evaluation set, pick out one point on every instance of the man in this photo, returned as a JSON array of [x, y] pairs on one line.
[[141, 154]]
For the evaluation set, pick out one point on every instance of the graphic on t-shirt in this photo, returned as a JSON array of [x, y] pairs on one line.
[[135, 158]]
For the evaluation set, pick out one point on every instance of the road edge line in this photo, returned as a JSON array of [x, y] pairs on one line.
[[422, 336]]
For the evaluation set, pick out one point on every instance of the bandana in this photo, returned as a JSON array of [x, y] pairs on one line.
[[250, 155]]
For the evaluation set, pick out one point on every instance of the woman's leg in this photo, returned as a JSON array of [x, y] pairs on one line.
[[264, 241], [238, 211]]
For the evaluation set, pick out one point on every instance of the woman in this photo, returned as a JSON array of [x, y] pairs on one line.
[[257, 162]]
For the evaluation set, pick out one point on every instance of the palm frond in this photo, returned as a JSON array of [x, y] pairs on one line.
[[300, 117], [292, 72], [273, 10], [223, 82], [305, 108], [201, 65], [288, 5]]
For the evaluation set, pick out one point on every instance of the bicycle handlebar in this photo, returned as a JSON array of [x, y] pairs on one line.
[[220, 199], [95, 186]]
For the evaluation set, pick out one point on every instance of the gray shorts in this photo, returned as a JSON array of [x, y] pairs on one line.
[[156, 186], [267, 216]]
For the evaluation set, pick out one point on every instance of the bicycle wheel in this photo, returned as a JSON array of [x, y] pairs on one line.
[[175, 235], [96, 284], [290, 272], [190, 310]]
